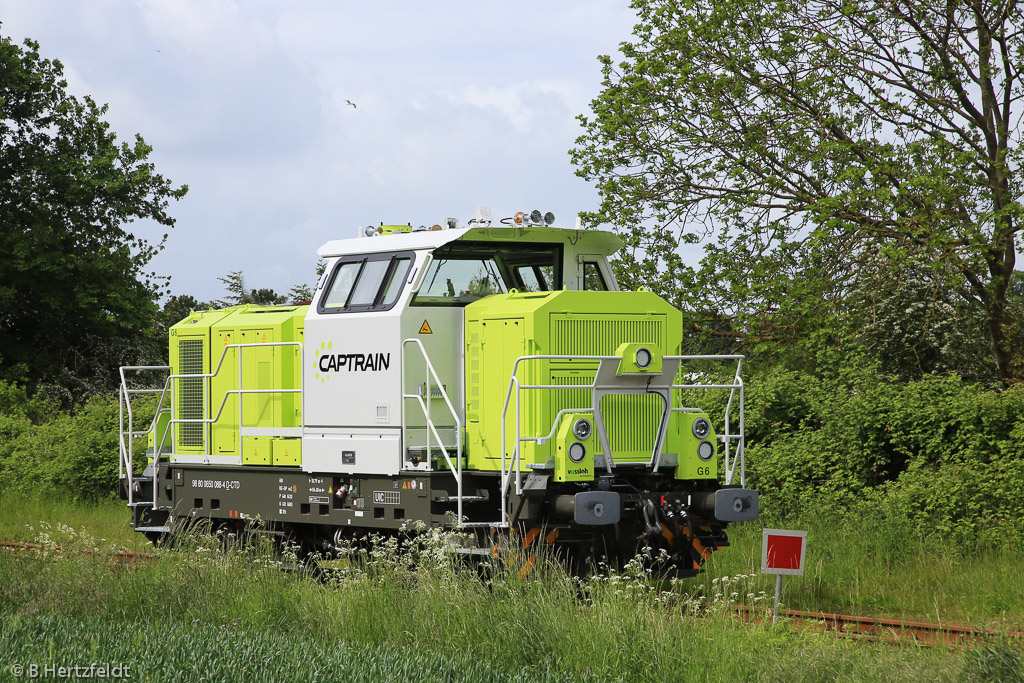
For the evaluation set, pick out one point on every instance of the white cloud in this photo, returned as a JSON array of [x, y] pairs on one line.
[[522, 103], [244, 100]]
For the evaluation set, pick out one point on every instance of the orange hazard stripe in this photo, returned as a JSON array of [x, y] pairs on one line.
[[703, 551], [526, 568]]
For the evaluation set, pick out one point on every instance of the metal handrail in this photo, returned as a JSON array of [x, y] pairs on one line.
[[240, 391], [455, 468], [126, 459], [515, 387], [126, 450]]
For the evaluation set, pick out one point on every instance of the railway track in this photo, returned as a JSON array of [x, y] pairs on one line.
[[121, 558], [871, 629], [883, 629]]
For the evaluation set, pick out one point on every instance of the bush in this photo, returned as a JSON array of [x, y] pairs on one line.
[[946, 455], [43, 450]]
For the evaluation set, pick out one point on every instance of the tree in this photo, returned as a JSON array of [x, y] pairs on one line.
[[302, 293], [238, 293], [913, 326], [808, 137], [75, 301]]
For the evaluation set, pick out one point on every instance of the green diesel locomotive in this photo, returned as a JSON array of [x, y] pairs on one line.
[[489, 377]]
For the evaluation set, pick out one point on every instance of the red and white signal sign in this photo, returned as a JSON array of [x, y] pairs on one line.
[[782, 551]]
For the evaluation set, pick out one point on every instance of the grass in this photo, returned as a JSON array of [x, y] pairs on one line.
[[878, 568], [21, 518], [194, 652], [203, 613]]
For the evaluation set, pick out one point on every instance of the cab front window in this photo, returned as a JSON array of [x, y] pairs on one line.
[[463, 272]]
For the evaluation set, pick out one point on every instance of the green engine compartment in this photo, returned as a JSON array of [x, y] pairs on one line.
[[502, 328], [204, 342]]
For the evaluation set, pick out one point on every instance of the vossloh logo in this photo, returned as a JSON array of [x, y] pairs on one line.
[[327, 362]]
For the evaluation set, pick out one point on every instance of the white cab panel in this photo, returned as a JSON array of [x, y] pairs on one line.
[[353, 451]]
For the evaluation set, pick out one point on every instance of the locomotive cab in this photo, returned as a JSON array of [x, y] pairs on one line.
[[490, 377]]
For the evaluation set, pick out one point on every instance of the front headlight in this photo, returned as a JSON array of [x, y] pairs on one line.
[[581, 428], [701, 427], [577, 452], [705, 450]]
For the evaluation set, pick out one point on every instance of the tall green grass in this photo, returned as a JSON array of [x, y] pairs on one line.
[[879, 567], [21, 517], [398, 611], [876, 567]]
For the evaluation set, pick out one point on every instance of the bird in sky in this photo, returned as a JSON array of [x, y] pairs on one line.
[[353, 104]]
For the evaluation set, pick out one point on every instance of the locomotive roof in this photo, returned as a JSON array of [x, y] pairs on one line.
[[583, 241]]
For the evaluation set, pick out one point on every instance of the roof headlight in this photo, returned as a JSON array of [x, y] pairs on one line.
[[536, 217], [549, 218]]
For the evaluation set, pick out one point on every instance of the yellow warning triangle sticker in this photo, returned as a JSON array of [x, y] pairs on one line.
[[425, 328]]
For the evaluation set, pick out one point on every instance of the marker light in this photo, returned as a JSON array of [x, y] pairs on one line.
[[581, 428], [535, 217], [369, 231], [643, 358], [705, 450], [701, 427], [518, 218], [549, 218], [435, 226], [577, 452]]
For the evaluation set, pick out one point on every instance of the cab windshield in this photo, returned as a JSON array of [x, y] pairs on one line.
[[463, 272]]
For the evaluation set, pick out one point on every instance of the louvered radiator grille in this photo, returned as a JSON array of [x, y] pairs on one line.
[[600, 336], [190, 393], [630, 420]]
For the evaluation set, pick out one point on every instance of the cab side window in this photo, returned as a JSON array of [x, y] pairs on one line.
[[593, 280], [365, 283]]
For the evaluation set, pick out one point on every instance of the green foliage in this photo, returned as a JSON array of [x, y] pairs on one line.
[[875, 563], [999, 663], [75, 301], [46, 451], [239, 293], [302, 294], [904, 317], [797, 142], [941, 454]]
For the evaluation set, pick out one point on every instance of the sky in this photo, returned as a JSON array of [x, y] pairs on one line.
[[458, 105]]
